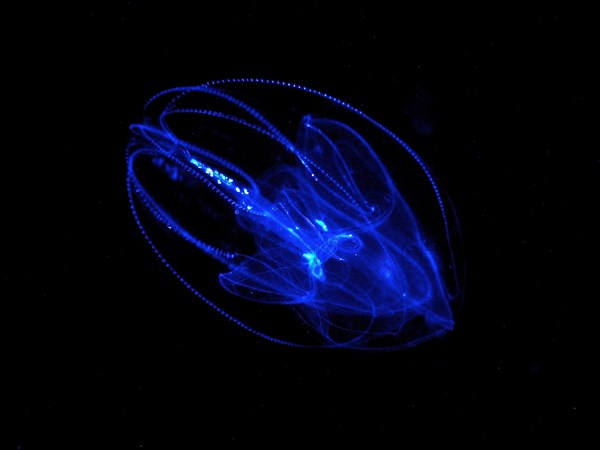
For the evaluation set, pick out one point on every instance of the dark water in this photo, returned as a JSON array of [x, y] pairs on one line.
[[106, 349]]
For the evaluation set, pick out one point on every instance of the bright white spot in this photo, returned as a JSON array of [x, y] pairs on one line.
[[321, 224], [310, 257]]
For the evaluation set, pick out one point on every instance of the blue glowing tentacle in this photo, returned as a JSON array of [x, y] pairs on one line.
[[426, 170], [162, 216], [349, 270], [336, 151], [193, 290], [262, 121]]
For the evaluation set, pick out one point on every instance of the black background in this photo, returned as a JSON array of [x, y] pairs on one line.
[[106, 349]]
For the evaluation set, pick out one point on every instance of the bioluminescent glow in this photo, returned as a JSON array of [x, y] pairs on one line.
[[269, 201]]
